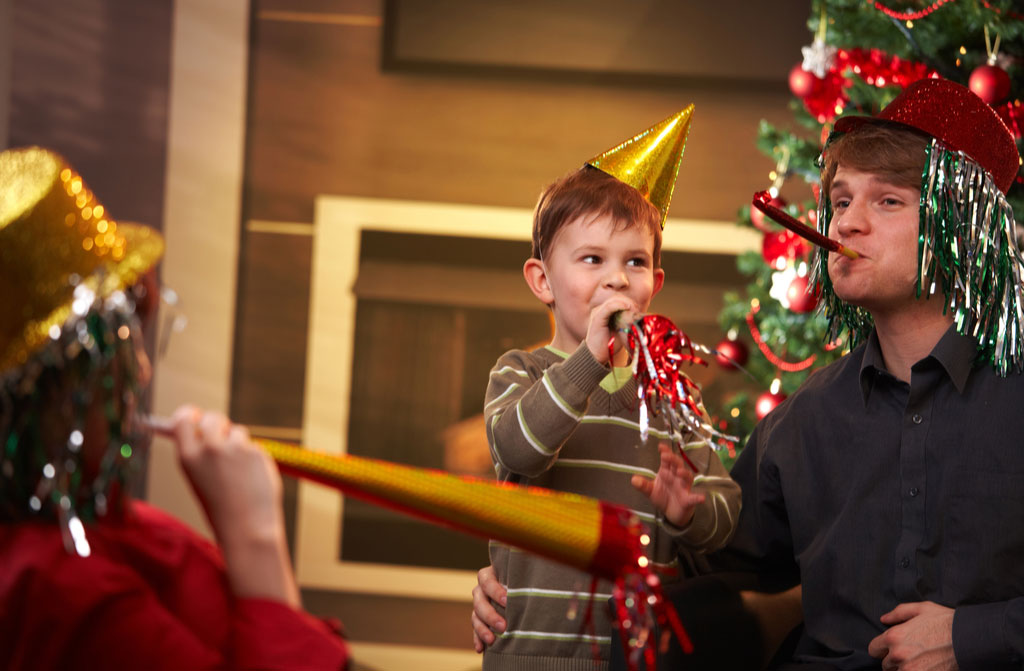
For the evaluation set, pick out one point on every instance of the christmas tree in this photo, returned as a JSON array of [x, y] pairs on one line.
[[862, 54]]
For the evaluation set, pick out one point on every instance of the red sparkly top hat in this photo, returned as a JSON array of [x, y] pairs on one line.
[[957, 118]]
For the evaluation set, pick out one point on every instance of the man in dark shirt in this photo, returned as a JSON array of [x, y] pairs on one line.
[[889, 485]]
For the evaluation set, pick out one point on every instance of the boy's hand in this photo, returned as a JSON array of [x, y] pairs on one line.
[[599, 332], [670, 491]]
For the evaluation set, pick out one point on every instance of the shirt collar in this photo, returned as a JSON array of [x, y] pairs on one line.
[[954, 352]]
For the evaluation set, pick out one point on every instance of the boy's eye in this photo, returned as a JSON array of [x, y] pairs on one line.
[[591, 258], [639, 262]]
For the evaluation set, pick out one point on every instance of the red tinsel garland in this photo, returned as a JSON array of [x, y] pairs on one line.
[[909, 15], [920, 14], [778, 362], [873, 66]]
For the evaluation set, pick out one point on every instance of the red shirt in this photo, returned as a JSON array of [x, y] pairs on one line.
[[152, 595]]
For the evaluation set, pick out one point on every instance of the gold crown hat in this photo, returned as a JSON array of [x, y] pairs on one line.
[[649, 162], [55, 239]]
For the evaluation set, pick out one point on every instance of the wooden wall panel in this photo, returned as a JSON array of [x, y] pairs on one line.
[[271, 320], [663, 41], [90, 79], [324, 118]]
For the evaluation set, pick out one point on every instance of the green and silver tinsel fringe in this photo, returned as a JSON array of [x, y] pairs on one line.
[[855, 322], [82, 384], [967, 249]]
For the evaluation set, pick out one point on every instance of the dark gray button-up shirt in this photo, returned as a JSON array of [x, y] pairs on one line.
[[873, 492]]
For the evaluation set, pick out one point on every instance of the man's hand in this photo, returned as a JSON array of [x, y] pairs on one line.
[[485, 618], [920, 637], [670, 491]]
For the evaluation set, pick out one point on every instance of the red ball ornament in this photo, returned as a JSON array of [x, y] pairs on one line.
[[757, 216], [990, 83], [731, 353], [767, 402], [801, 299], [802, 83], [784, 245]]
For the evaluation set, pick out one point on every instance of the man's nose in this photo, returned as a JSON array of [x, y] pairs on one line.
[[853, 220]]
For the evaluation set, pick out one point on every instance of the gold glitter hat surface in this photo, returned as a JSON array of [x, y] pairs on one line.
[[649, 162], [55, 236]]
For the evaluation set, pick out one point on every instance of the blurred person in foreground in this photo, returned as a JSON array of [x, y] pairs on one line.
[[92, 578]]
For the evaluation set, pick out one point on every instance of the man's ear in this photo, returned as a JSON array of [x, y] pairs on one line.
[[537, 279], [659, 281]]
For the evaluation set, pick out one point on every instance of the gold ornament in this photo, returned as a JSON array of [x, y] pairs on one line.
[[56, 239], [649, 162]]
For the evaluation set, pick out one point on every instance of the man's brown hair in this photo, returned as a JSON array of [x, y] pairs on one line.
[[895, 153], [592, 191]]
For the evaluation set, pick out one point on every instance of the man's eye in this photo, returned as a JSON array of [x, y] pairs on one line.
[[840, 203]]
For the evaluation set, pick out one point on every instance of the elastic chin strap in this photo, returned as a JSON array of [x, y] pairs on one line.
[[967, 249]]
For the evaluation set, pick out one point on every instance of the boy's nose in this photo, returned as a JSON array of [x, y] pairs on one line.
[[616, 278]]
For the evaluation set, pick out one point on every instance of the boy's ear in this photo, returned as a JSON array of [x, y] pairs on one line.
[[659, 281], [537, 279]]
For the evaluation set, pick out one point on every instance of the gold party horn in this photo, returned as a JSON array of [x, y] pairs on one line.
[[593, 535]]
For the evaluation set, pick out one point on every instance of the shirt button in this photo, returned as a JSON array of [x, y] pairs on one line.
[[914, 491], [905, 562], [917, 419]]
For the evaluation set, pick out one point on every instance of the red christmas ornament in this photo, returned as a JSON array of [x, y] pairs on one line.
[[990, 83], [829, 98], [731, 353], [802, 83], [757, 216], [767, 402], [784, 245], [801, 299]]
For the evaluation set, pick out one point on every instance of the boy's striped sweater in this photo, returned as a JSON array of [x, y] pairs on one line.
[[565, 422]]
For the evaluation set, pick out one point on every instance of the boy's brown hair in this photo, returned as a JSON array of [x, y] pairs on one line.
[[895, 153], [592, 191]]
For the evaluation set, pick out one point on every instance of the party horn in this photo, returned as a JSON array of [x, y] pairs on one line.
[[762, 201], [596, 536], [601, 538]]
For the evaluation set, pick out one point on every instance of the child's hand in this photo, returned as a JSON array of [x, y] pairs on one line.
[[599, 332], [670, 491]]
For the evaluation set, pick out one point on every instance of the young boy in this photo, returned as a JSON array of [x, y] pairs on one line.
[[560, 417]]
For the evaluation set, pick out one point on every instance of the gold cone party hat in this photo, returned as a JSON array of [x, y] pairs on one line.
[[649, 162]]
